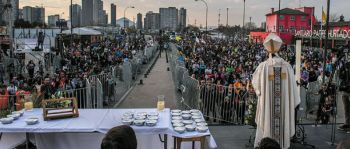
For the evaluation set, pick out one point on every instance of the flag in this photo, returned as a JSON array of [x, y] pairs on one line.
[[324, 17]]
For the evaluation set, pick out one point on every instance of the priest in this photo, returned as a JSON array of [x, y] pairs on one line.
[[274, 83]]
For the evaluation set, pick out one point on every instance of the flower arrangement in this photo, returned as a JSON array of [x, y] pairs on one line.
[[250, 117]]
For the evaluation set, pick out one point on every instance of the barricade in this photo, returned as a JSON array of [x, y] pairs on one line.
[[219, 104]]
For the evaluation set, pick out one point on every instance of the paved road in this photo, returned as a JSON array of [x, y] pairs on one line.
[[158, 82]]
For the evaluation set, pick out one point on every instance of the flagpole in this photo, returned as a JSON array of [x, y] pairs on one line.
[[326, 43], [321, 27]]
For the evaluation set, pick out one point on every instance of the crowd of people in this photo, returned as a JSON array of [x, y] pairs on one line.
[[76, 64], [224, 69]]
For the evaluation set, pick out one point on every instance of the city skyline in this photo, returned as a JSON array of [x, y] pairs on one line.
[[196, 10]]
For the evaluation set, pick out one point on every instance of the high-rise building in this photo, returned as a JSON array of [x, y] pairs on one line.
[[27, 13], [168, 18], [152, 21], [75, 15], [38, 14], [182, 18], [139, 21], [34, 14], [87, 13], [113, 14], [52, 19]]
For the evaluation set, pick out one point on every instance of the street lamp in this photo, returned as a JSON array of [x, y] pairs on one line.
[[125, 12], [206, 15]]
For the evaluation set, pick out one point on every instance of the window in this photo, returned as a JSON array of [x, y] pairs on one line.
[[303, 18], [281, 28], [302, 27], [281, 17], [292, 27], [292, 17]]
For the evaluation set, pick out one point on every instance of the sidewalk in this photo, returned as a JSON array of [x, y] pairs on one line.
[[158, 82]]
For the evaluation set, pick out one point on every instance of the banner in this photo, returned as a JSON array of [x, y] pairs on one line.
[[341, 34]]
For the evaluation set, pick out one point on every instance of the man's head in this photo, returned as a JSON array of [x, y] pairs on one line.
[[121, 137], [47, 81], [268, 143]]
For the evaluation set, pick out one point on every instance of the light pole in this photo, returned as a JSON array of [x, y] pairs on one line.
[[226, 17], [125, 13], [206, 15], [71, 23], [243, 13]]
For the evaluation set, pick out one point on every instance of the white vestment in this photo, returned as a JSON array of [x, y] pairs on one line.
[[289, 100]]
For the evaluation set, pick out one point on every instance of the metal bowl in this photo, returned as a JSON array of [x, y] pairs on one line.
[[31, 120], [199, 121], [202, 129], [194, 117], [186, 112], [8, 120], [18, 112], [152, 114], [142, 113], [14, 116], [178, 125], [127, 121], [190, 128], [186, 116], [151, 123], [153, 118], [194, 111], [175, 114], [201, 124], [176, 111], [196, 114], [139, 122], [176, 121], [176, 118], [187, 122], [180, 129], [140, 117]]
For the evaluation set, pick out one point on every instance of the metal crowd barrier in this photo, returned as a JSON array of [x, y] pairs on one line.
[[107, 87], [219, 104]]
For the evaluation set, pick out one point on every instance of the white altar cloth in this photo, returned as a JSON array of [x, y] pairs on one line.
[[88, 129]]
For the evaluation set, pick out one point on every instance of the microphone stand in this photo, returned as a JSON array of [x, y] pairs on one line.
[[300, 135]]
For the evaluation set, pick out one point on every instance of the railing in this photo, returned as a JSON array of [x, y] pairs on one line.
[[100, 91], [219, 104]]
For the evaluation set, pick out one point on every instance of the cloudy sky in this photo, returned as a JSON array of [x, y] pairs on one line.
[[196, 10]]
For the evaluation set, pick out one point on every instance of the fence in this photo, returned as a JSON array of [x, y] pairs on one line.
[[219, 104], [100, 91]]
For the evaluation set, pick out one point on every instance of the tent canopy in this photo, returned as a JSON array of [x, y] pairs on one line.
[[83, 31]]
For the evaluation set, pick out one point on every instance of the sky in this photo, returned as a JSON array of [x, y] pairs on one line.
[[256, 9]]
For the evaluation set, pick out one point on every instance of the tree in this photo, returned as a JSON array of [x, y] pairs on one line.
[[333, 17], [250, 26]]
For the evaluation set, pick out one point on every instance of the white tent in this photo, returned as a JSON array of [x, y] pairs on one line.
[[83, 31]]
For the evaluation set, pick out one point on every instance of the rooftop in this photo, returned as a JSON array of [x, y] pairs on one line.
[[288, 11]]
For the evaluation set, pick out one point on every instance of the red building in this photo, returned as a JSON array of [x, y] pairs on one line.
[[290, 21]]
